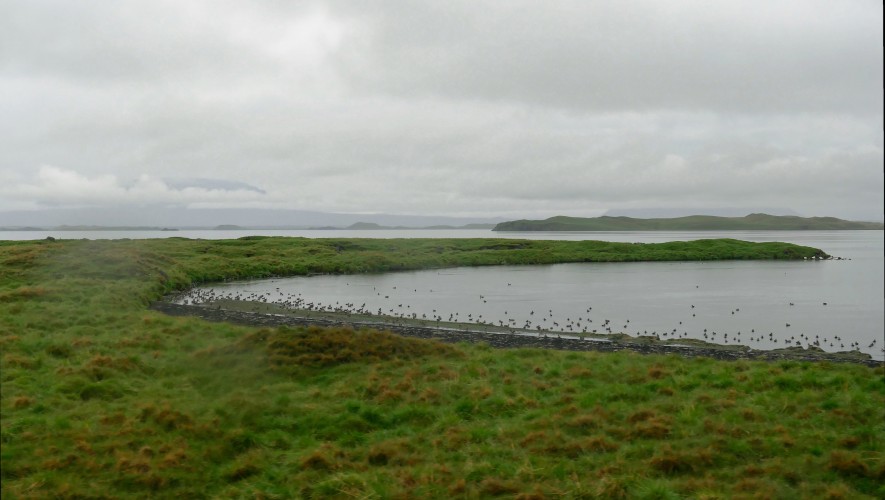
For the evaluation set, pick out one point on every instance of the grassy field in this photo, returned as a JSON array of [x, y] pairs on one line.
[[102, 398]]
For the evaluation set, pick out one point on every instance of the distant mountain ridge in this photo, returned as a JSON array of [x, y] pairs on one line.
[[371, 226], [689, 223]]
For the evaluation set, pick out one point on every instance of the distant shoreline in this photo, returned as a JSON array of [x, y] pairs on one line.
[[230, 227], [90, 228]]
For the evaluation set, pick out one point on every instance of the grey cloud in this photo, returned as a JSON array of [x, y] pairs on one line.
[[211, 184], [54, 186], [642, 56], [162, 42], [510, 108]]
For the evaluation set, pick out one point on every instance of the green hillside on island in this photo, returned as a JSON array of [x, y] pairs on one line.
[[690, 223]]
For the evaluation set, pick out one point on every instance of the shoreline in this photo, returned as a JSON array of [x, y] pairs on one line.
[[465, 332]]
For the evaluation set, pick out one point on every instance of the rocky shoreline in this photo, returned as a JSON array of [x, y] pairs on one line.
[[508, 340]]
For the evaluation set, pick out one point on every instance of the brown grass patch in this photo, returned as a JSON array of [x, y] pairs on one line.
[[114, 419], [570, 409], [173, 458], [527, 402], [392, 452], [320, 347], [240, 472], [749, 415], [245, 465], [579, 372], [787, 441], [326, 457], [491, 486], [22, 401], [81, 342], [586, 421], [388, 395], [23, 293], [838, 492], [166, 417], [533, 437], [849, 442], [535, 494], [640, 416], [458, 488], [540, 386], [19, 361], [847, 463], [84, 447], [671, 462], [599, 444], [648, 424], [455, 438], [132, 463], [8, 339], [654, 428], [481, 393], [559, 445], [429, 395], [406, 384], [752, 471], [657, 372], [59, 463], [756, 486], [610, 487], [101, 367]]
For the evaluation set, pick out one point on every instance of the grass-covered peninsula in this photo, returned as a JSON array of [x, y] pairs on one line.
[[691, 223], [104, 398]]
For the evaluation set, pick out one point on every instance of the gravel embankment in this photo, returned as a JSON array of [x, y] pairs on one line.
[[506, 340]]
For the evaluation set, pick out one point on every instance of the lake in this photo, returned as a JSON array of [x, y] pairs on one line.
[[836, 304]]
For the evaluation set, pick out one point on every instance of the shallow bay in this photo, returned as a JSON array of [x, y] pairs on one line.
[[835, 304]]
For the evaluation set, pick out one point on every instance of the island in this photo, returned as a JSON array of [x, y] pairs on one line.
[[751, 222]]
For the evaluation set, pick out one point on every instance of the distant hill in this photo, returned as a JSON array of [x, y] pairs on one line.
[[109, 228], [369, 226], [674, 212], [690, 223], [208, 218], [372, 226]]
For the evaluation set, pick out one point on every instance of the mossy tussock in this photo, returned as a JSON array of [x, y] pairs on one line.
[[321, 347]]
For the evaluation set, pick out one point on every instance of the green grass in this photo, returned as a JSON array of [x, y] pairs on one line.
[[104, 398]]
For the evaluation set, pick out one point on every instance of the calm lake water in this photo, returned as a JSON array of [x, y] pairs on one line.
[[838, 304]]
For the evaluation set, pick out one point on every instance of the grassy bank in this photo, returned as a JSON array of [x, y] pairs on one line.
[[103, 398]]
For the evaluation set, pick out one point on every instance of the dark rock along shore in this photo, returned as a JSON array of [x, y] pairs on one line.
[[505, 340]]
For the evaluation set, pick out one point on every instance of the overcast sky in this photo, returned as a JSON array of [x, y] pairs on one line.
[[506, 108]]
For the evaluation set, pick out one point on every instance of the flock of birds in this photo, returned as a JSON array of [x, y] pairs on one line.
[[539, 322]]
